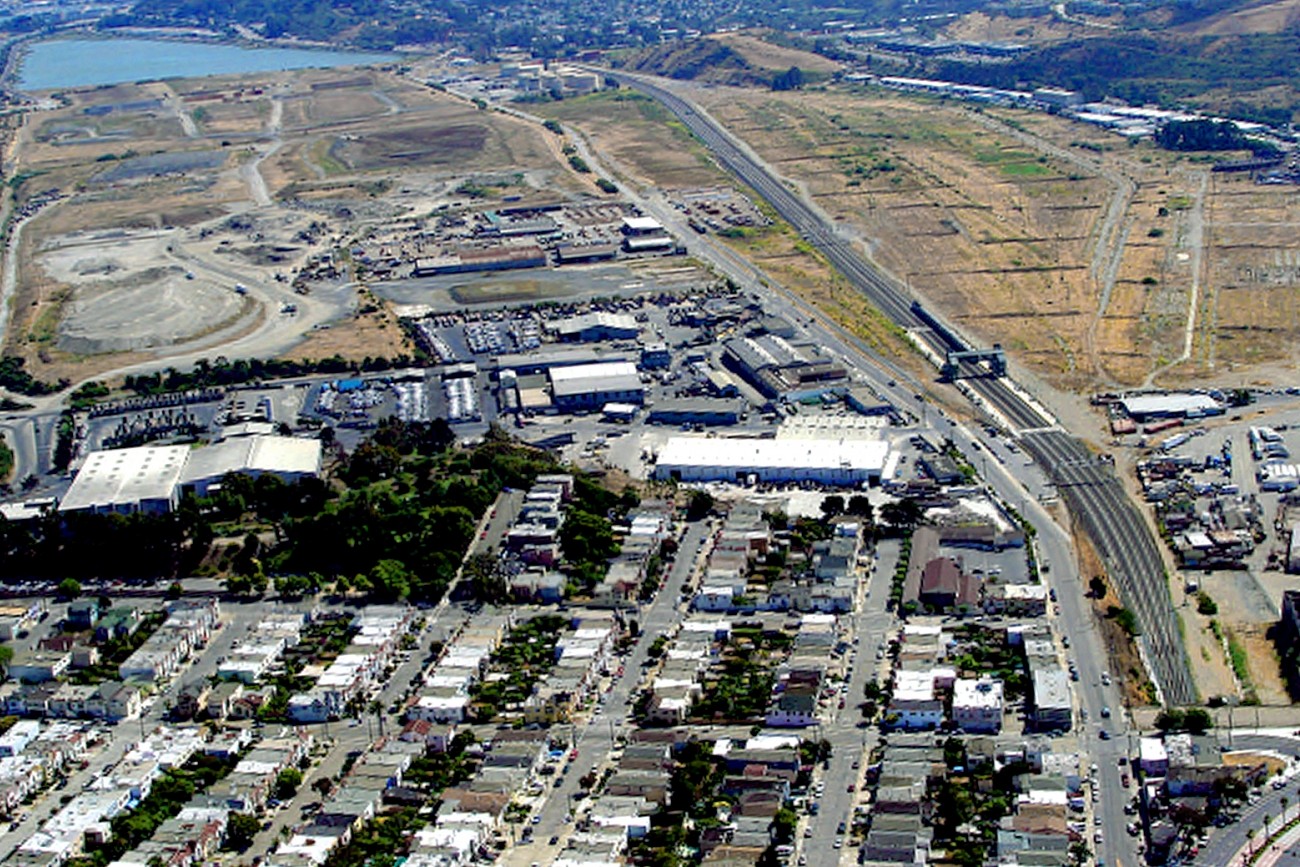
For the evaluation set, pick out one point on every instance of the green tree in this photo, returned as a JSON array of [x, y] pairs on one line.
[[903, 514], [287, 783], [699, 506], [791, 79], [241, 829], [69, 588], [1198, 720], [390, 579], [832, 506], [860, 507]]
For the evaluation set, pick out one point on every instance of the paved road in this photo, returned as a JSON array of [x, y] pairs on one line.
[[1123, 538], [1225, 843], [869, 626], [595, 739]]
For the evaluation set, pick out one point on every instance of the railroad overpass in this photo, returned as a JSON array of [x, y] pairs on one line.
[[1091, 489]]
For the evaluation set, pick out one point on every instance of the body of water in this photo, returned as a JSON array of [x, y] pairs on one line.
[[64, 63]]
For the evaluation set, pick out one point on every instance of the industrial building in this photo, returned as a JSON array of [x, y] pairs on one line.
[[288, 458], [152, 479], [482, 259], [641, 227], [591, 386], [777, 368], [711, 412], [540, 361], [1142, 407], [596, 326], [740, 459], [141, 479], [569, 254]]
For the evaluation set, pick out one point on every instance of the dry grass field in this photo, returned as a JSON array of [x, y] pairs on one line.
[[761, 53], [1081, 254], [640, 138]]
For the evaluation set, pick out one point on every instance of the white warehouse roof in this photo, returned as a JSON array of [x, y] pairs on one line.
[[605, 376], [256, 454], [772, 460], [124, 478], [150, 477], [1169, 404]]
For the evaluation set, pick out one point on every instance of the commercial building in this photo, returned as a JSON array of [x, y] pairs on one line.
[[737, 459], [589, 386]]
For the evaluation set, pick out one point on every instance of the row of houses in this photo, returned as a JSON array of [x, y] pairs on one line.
[[32, 754], [354, 672], [189, 625]]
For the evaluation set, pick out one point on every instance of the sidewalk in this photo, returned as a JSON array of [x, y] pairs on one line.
[[1277, 849]]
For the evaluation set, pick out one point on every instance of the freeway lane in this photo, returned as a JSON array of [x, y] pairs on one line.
[[1122, 537]]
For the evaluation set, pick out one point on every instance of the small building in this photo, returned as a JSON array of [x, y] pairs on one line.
[[83, 613], [641, 227], [39, 666], [977, 705], [655, 356], [596, 326], [1050, 698]]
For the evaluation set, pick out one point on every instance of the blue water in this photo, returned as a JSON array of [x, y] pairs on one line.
[[58, 63]]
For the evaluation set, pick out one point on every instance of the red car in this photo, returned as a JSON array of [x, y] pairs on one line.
[[852, 787]]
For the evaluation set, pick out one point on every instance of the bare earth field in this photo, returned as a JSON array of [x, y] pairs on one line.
[[1096, 263], [160, 198]]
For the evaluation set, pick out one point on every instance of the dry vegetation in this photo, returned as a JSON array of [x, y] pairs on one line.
[[997, 218], [760, 53], [152, 175]]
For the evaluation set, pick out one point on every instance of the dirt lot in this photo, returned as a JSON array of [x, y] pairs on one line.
[[167, 197]]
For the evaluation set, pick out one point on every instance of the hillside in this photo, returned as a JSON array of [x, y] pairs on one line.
[[698, 59]]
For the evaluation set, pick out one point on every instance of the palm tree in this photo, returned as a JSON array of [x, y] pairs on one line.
[[1250, 839]]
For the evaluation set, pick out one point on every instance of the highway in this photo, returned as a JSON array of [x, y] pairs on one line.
[[1090, 489]]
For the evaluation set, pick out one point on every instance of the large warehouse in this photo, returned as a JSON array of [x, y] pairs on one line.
[[141, 479], [153, 479], [591, 386], [734, 459]]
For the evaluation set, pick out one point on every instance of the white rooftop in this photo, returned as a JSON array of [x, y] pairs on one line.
[[259, 454], [125, 477], [602, 375], [756, 454], [985, 692]]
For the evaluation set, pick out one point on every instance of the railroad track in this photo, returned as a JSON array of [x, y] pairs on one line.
[[1089, 487]]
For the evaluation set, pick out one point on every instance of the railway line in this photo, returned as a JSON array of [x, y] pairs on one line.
[[1090, 488]]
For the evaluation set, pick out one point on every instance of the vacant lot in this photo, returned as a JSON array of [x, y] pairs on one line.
[[640, 137], [1085, 256], [170, 194]]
